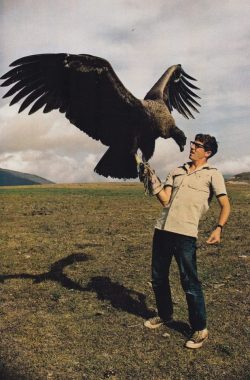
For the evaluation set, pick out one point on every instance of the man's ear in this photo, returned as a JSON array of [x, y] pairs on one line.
[[208, 153]]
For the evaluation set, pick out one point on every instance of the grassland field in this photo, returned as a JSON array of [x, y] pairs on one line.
[[75, 288]]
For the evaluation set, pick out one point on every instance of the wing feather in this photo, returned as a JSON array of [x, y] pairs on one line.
[[176, 104], [18, 86], [30, 98], [179, 106], [38, 104], [183, 105], [25, 91], [190, 104], [189, 84], [187, 76]]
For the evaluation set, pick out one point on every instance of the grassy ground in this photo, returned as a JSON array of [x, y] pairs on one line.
[[75, 267]]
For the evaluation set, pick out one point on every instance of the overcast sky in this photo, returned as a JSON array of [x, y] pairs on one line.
[[141, 39]]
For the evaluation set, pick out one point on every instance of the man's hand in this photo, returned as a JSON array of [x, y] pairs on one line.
[[144, 171], [152, 183], [215, 236]]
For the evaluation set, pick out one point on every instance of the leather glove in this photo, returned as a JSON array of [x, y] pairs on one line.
[[152, 183]]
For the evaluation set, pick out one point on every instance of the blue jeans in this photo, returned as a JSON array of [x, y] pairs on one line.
[[183, 248]]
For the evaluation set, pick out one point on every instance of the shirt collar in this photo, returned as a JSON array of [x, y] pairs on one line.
[[188, 164]]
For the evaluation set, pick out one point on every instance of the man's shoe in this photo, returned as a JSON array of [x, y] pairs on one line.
[[197, 339], [155, 322]]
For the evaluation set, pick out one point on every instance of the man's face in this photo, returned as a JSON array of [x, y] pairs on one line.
[[197, 151]]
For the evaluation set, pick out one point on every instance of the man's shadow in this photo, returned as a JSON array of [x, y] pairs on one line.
[[120, 297]]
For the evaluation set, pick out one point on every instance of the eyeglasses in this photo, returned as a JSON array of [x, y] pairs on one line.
[[196, 145]]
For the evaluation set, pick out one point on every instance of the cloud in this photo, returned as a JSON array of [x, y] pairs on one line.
[[50, 147], [140, 39], [52, 166], [236, 166], [42, 132]]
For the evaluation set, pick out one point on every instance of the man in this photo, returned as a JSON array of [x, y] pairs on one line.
[[185, 197]]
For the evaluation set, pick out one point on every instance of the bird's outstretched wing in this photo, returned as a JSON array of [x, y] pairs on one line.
[[83, 87], [175, 88], [178, 93]]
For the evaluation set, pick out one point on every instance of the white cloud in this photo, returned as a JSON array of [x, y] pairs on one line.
[[52, 166], [42, 132], [140, 39], [236, 166]]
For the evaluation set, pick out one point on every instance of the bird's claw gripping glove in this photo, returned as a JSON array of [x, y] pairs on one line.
[[152, 183]]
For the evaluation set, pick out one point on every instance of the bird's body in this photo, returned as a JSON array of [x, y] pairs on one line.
[[159, 117], [87, 90]]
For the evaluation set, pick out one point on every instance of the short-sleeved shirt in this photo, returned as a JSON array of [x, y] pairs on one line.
[[190, 198]]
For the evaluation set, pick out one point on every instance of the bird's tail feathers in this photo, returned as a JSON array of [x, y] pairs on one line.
[[117, 164]]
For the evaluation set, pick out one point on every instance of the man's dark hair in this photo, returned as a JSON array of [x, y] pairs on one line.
[[209, 142]]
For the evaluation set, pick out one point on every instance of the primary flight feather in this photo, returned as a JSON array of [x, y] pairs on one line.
[[87, 90]]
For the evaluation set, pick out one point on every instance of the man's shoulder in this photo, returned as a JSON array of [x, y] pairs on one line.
[[213, 170], [179, 170], [212, 167], [182, 169]]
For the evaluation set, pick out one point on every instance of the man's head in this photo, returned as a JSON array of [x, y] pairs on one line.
[[204, 147]]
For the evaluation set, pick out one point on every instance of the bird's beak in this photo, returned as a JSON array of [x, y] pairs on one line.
[[182, 147]]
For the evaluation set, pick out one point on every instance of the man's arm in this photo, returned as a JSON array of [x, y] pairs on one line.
[[223, 217], [164, 195], [153, 184]]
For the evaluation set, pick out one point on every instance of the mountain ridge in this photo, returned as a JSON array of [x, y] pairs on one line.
[[16, 178]]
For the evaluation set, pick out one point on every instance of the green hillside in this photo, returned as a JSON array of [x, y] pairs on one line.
[[245, 176], [14, 178]]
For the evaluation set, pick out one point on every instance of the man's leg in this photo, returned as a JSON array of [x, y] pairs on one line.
[[162, 254], [185, 254]]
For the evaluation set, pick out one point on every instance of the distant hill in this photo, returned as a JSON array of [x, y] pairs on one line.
[[241, 177], [13, 178]]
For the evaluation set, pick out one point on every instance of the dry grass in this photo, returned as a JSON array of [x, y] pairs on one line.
[[75, 266]]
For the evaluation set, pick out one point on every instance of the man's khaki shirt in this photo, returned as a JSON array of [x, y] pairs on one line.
[[190, 199]]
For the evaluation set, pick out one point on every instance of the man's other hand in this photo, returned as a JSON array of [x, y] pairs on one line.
[[215, 236]]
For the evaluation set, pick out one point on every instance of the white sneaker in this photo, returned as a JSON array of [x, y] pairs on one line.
[[197, 339], [155, 322]]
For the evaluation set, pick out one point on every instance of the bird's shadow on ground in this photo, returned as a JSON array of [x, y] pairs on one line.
[[117, 294]]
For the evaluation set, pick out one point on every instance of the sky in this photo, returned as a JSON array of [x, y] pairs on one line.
[[140, 39]]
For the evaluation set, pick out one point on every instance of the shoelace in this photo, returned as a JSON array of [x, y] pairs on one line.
[[197, 336]]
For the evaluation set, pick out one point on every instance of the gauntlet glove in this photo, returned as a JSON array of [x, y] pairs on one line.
[[152, 183]]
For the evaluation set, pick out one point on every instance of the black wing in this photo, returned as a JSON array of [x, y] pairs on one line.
[[83, 87], [176, 91]]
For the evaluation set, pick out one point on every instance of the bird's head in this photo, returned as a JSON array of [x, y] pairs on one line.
[[179, 137]]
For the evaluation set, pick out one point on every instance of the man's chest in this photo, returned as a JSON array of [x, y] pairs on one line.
[[198, 180]]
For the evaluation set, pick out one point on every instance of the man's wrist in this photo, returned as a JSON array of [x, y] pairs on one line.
[[155, 184], [220, 226], [156, 190]]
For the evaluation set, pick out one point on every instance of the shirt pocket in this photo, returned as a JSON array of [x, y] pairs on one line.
[[199, 187]]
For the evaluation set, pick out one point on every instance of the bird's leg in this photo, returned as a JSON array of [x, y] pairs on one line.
[[138, 159]]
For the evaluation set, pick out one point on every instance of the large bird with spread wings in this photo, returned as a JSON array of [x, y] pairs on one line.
[[92, 97]]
